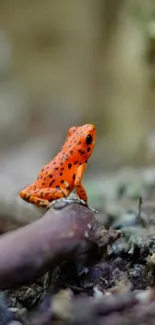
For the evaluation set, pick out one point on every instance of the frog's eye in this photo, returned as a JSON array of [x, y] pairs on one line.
[[89, 139], [71, 130]]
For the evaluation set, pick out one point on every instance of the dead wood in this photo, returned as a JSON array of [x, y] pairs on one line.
[[67, 233]]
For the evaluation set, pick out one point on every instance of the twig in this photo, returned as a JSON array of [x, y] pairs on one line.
[[139, 206]]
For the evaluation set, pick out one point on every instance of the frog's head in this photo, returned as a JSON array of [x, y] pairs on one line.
[[81, 140]]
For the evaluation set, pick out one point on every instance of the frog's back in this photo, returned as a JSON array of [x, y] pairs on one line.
[[75, 151]]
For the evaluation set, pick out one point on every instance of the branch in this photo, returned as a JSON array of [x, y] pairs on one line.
[[66, 233]]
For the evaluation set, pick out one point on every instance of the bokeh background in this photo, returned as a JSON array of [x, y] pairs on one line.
[[65, 63]]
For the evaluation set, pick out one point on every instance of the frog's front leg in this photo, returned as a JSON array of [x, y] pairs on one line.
[[43, 197], [80, 190]]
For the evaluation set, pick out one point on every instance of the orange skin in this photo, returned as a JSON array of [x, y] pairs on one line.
[[64, 173]]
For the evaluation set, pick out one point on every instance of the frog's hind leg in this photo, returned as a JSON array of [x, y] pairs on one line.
[[28, 195], [42, 197], [35, 200], [23, 193]]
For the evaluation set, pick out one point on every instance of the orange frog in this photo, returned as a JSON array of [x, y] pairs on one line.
[[64, 173]]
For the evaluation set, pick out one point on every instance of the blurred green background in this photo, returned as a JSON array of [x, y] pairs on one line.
[[71, 62]]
